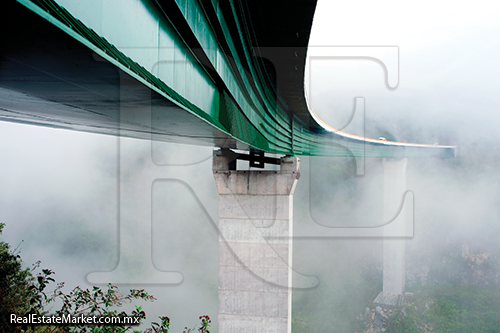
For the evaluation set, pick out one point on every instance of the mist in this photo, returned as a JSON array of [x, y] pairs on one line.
[[448, 79], [60, 190], [60, 202]]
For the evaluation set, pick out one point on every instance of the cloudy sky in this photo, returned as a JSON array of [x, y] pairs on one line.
[[448, 70]]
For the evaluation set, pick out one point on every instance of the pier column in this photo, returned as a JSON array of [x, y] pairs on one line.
[[394, 246], [255, 248]]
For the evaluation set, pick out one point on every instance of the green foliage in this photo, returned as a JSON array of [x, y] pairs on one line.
[[97, 302], [162, 327], [461, 295], [205, 324], [22, 293], [204, 328], [449, 307], [402, 323]]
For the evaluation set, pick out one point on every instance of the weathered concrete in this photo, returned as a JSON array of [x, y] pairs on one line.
[[255, 210], [394, 248]]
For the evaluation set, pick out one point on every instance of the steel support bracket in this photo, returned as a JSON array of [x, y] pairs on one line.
[[257, 159]]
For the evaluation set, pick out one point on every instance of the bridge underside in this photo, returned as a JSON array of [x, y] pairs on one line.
[[226, 74], [48, 78]]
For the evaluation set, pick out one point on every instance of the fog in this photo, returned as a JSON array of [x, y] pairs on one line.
[[60, 190], [60, 197], [448, 82]]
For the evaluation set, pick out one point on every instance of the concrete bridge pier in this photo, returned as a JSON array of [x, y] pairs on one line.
[[255, 248], [394, 246]]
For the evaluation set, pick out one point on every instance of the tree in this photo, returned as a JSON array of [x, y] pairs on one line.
[[22, 293]]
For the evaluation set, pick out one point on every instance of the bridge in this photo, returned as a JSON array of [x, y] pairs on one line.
[[227, 74]]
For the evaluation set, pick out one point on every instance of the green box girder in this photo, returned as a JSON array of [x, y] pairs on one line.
[[229, 75]]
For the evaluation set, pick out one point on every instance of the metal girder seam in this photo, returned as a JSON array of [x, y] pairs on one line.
[[256, 102], [202, 36], [61, 18]]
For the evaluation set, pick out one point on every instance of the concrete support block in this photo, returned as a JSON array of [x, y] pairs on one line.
[[255, 207], [250, 324], [394, 248], [255, 248]]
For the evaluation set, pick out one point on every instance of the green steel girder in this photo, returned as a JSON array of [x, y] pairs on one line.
[[220, 73]]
